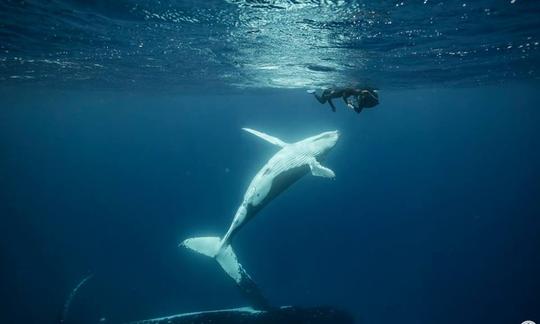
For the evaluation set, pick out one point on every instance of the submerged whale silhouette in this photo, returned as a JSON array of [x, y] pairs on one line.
[[286, 167], [248, 315]]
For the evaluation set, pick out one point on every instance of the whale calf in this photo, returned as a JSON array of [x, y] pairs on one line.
[[287, 166]]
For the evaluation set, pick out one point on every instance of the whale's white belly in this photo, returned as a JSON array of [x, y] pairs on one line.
[[279, 165]]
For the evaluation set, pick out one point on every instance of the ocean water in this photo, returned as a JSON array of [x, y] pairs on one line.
[[121, 136]]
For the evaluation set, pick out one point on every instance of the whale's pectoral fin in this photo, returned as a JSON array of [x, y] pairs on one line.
[[266, 137], [320, 171]]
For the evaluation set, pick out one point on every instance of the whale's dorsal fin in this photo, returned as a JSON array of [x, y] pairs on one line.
[[266, 137]]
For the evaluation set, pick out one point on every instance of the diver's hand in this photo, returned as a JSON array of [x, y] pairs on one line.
[[350, 106]]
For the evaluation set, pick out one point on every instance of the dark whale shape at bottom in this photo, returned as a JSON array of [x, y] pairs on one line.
[[248, 315]]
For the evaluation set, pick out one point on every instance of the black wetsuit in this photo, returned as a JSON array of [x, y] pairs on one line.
[[328, 94], [365, 98]]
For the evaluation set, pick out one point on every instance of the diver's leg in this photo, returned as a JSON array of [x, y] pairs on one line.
[[332, 105], [320, 99]]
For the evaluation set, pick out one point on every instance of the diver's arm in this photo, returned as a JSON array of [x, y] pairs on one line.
[[372, 95], [347, 102], [332, 105]]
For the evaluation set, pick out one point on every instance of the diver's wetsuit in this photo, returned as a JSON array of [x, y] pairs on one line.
[[328, 94], [365, 98]]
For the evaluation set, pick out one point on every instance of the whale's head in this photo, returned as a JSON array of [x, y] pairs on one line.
[[321, 144]]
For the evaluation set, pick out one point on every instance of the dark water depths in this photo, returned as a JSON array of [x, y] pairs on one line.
[[433, 216], [120, 136]]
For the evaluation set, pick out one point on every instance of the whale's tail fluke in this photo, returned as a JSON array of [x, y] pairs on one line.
[[226, 258], [208, 246], [211, 247]]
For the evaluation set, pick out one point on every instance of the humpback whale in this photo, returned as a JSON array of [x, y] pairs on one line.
[[287, 166], [248, 315]]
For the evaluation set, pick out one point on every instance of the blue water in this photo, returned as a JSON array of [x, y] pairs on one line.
[[223, 45], [120, 136]]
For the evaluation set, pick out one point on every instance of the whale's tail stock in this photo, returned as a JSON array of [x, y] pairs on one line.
[[226, 258]]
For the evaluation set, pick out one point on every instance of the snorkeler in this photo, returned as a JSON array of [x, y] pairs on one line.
[[364, 97]]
